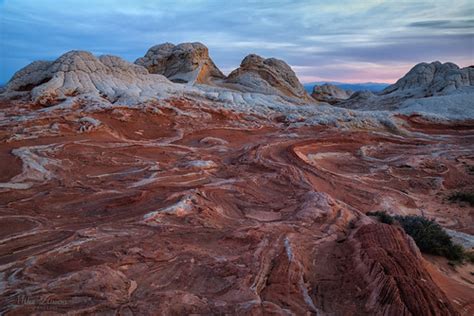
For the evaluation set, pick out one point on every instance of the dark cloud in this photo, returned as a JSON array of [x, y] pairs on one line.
[[411, 49], [335, 40], [445, 24]]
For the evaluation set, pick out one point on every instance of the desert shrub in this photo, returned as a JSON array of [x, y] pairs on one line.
[[469, 256], [430, 237], [462, 197], [470, 169], [382, 216]]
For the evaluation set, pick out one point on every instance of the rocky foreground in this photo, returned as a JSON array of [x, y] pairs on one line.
[[122, 192]]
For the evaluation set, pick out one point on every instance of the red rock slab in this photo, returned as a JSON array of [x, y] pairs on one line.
[[207, 212]]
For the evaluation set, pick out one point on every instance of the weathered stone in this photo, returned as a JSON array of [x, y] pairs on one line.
[[186, 62], [330, 93], [268, 76], [80, 72]]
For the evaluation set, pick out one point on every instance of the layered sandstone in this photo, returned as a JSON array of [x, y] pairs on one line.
[[195, 208], [81, 73], [381, 271], [205, 200], [269, 76], [184, 63]]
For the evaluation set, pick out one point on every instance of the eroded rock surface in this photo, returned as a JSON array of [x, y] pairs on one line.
[[205, 200], [428, 79], [269, 76], [180, 207], [330, 93], [186, 63], [385, 269], [429, 87], [81, 73]]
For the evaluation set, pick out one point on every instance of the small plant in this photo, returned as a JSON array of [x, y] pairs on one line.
[[430, 237], [470, 169], [382, 216], [462, 197], [469, 256]]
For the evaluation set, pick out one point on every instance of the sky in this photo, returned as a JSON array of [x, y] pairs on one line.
[[335, 40]]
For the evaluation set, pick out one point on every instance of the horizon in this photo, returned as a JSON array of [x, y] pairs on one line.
[[375, 41]]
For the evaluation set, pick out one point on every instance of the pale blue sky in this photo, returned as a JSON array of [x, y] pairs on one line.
[[338, 40]]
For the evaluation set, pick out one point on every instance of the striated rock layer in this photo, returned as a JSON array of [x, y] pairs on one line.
[[385, 269], [268, 76], [122, 192], [107, 80], [80, 72], [186, 62], [186, 207]]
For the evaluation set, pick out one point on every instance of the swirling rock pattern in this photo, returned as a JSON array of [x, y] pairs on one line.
[[180, 207]]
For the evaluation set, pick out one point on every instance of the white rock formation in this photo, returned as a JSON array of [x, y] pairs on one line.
[[263, 88], [330, 93], [186, 62], [81, 73], [425, 80], [423, 85], [268, 76]]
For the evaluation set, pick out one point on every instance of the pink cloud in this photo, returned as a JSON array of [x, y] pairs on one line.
[[358, 72]]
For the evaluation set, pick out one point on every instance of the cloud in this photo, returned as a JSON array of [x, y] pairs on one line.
[[332, 39], [468, 25]]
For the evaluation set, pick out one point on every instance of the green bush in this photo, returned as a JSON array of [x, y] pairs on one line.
[[430, 237], [469, 256], [382, 216], [462, 197]]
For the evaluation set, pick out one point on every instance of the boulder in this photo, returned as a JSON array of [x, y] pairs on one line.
[[184, 63], [330, 93], [267, 76], [435, 78]]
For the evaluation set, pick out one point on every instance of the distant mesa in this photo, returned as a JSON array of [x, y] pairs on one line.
[[330, 93], [361, 86], [183, 63], [267, 76]]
